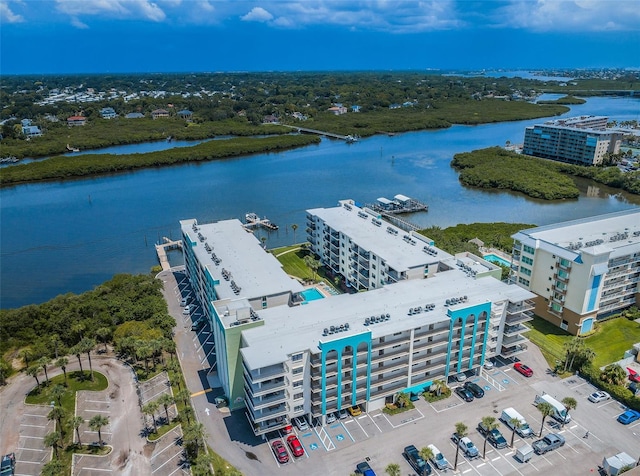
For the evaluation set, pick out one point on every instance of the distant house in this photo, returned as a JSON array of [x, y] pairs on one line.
[[76, 121], [185, 114], [299, 116], [338, 110], [394, 106], [134, 115], [25, 122], [31, 131], [270, 119], [355, 108], [158, 113], [108, 113], [409, 103]]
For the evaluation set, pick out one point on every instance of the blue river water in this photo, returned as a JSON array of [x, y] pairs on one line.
[[60, 237]]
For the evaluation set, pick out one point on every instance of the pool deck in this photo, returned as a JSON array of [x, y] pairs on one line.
[[493, 251]]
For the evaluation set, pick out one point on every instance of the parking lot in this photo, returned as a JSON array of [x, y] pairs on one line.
[[31, 454], [88, 405], [167, 458], [380, 438]]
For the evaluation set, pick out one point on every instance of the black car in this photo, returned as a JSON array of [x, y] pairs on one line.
[[412, 455], [495, 437], [465, 394], [475, 389]]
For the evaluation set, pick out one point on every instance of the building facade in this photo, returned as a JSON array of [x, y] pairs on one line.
[[580, 270], [579, 140], [426, 315]]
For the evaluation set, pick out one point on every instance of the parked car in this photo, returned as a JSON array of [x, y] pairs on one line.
[[488, 365], [465, 394], [331, 417], [523, 369], [412, 455], [343, 414], [600, 396], [475, 389], [301, 423], [633, 375], [197, 324], [548, 443], [494, 436], [8, 464], [364, 469], [466, 445], [186, 310], [184, 302], [438, 460], [414, 397], [355, 410], [280, 452], [295, 445], [461, 377], [628, 417]]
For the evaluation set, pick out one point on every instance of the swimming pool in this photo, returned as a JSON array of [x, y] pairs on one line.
[[497, 259], [311, 294]]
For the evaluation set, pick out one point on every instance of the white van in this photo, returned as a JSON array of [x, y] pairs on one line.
[[438, 460], [509, 414], [560, 412]]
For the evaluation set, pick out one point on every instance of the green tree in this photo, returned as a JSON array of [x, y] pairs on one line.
[[56, 342], [150, 409], [294, 227], [570, 403], [5, 370], [402, 400], [192, 437], [183, 396], [53, 440], [57, 414], [86, 345], [546, 409], [461, 431], [57, 391], [75, 350], [53, 468], [490, 424], [312, 263], [613, 374], [515, 426], [96, 423], [426, 454], [144, 352], [33, 371], [166, 400], [62, 362], [26, 355], [43, 362], [572, 348], [188, 413], [392, 469], [104, 334], [77, 422]]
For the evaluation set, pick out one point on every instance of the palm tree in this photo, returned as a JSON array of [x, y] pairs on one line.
[[461, 431], [96, 424], [57, 414], [33, 371], [25, 355], [613, 374], [103, 333], [53, 440], [77, 422], [53, 468], [62, 362], [43, 362], [294, 227], [75, 350], [572, 349], [426, 454], [490, 424], [87, 345], [570, 403], [191, 438], [166, 400], [392, 469], [515, 426], [150, 409], [57, 391], [188, 413], [546, 409], [55, 341]]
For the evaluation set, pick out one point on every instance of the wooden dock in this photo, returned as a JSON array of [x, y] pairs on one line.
[[348, 138], [161, 250], [253, 220]]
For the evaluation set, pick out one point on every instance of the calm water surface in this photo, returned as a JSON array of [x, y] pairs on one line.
[[69, 237]]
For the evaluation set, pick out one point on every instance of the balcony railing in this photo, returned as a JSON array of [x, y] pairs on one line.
[[509, 341], [511, 351], [265, 373], [267, 400], [261, 415]]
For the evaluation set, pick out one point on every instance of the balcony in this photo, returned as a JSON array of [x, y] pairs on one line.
[[262, 388], [430, 344], [267, 426], [514, 330], [519, 318], [509, 341], [269, 399], [388, 388], [265, 373], [522, 306], [389, 366], [564, 264], [273, 412], [561, 276], [513, 351]]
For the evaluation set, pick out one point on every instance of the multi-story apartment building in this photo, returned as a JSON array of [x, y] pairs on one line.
[[425, 315], [581, 270], [581, 140]]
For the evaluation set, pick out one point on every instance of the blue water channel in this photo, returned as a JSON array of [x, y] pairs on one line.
[[70, 236]]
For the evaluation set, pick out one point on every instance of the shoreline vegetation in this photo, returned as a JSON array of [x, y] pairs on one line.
[[494, 168], [61, 167], [566, 100]]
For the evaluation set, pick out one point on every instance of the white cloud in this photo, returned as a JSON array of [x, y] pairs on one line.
[[119, 9], [7, 15], [258, 14], [78, 24]]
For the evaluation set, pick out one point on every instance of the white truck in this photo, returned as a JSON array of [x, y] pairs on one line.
[[560, 412], [509, 415]]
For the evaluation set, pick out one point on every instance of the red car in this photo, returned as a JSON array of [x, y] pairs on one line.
[[280, 451], [523, 369], [633, 375], [294, 444]]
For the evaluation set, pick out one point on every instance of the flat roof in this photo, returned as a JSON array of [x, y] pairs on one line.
[[615, 233], [394, 248], [289, 330], [257, 272]]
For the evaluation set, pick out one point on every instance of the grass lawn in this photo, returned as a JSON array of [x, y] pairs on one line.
[[292, 259], [611, 339]]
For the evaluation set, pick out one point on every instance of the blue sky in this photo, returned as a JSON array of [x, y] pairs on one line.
[[113, 36]]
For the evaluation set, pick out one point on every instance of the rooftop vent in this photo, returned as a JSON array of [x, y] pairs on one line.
[[362, 214], [347, 206]]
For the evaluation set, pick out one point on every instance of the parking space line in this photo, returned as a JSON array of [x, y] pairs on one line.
[[166, 462], [96, 411], [496, 459], [374, 422], [96, 401], [33, 426], [95, 469], [162, 451], [356, 422], [34, 437], [179, 468], [32, 449], [33, 414]]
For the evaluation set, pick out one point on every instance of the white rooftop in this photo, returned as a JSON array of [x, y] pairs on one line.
[[395, 248], [257, 272], [289, 330]]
